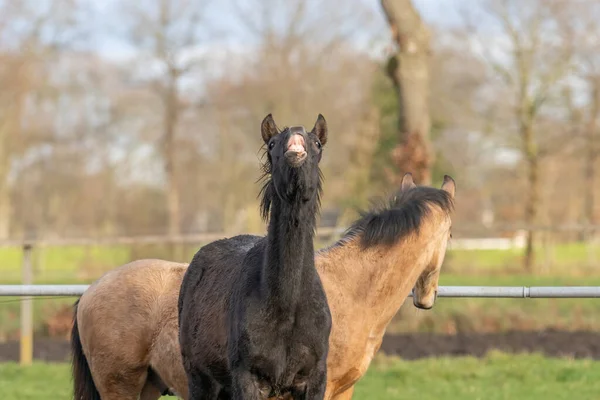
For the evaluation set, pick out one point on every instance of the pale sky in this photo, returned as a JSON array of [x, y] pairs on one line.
[[107, 41]]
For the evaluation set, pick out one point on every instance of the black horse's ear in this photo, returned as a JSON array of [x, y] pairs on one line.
[[407, 182], [268, 129], [320, 129]]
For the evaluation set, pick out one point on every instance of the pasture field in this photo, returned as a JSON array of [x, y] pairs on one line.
[[79, 264], [495, 377]]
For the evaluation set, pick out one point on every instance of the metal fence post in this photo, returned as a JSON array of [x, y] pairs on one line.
[[26, 356]]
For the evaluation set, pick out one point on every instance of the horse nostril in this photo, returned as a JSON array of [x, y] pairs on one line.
[[296, 144]]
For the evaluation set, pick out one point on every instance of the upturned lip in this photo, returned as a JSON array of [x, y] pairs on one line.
[[295, 159]]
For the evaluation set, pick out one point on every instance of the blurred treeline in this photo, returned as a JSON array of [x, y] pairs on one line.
[[142, 117]]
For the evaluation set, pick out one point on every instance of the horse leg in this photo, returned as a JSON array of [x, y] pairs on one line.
[[224, 394], [316, 384], [122, 385], [346, 395], [202, 387], [150, 392], [166, 360], [243, 386]]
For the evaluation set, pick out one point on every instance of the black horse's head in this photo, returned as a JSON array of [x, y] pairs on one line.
[[293, 157]]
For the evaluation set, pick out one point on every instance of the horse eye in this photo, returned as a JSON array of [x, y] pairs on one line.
[[318, 144], [271, 145]]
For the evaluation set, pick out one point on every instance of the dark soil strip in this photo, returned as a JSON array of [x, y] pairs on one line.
[[550, 343], [410, 346], [55, 350]]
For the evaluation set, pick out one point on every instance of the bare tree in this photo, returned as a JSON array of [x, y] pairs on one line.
[[31, 35], [531, 53], [164, 30], [409, 71], [588, 68], [591, 157], [305, 63]]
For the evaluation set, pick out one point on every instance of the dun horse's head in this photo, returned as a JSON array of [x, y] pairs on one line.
[[293, 158], [426, 287]]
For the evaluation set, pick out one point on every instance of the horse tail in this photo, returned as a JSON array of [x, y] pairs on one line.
[[83, 383]]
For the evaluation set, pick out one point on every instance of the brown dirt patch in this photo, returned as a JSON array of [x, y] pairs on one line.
[[53, 350], [550, 343], [409, 346]]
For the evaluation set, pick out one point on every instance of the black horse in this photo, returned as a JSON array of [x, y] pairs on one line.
[[254, 321]]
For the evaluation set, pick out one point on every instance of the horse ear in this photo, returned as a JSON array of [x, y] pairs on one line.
[[407, 182], [268, 129], [449, 185], [320, 129]]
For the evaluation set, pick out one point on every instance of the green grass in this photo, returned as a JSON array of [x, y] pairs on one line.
[[76, 264], [495, 377], [61, 264], [498, 376], [79, 264], [556, 259], [40, 381]]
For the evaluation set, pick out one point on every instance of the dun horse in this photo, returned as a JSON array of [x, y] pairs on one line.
[[128, 318], [253, 316]]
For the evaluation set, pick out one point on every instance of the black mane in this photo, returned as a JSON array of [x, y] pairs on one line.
[[401, 216]]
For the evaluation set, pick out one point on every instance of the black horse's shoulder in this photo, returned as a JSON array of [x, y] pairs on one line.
[[223, 257], [237, 243], [245, 243], [253, 257], [223, 248]]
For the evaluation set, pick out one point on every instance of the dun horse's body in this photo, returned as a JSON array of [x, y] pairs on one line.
[[253, 316], [125, 333], [367, 276]]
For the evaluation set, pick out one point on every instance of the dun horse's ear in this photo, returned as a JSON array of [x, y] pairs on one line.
[[449, 185], [320, 129], [407, 182], [268, 129]]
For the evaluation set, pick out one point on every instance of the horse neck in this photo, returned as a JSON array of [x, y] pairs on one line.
[[290, 251], [377, 279]]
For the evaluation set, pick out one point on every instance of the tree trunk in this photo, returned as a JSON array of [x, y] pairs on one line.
[[590, 159], [533, 193], [409, 71], [5, 208], [228, 171], [359, 167], [10, 132], [5, 203], [171, 104], [170, 124]]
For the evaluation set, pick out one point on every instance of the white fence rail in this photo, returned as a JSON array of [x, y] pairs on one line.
[[444, 291]]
